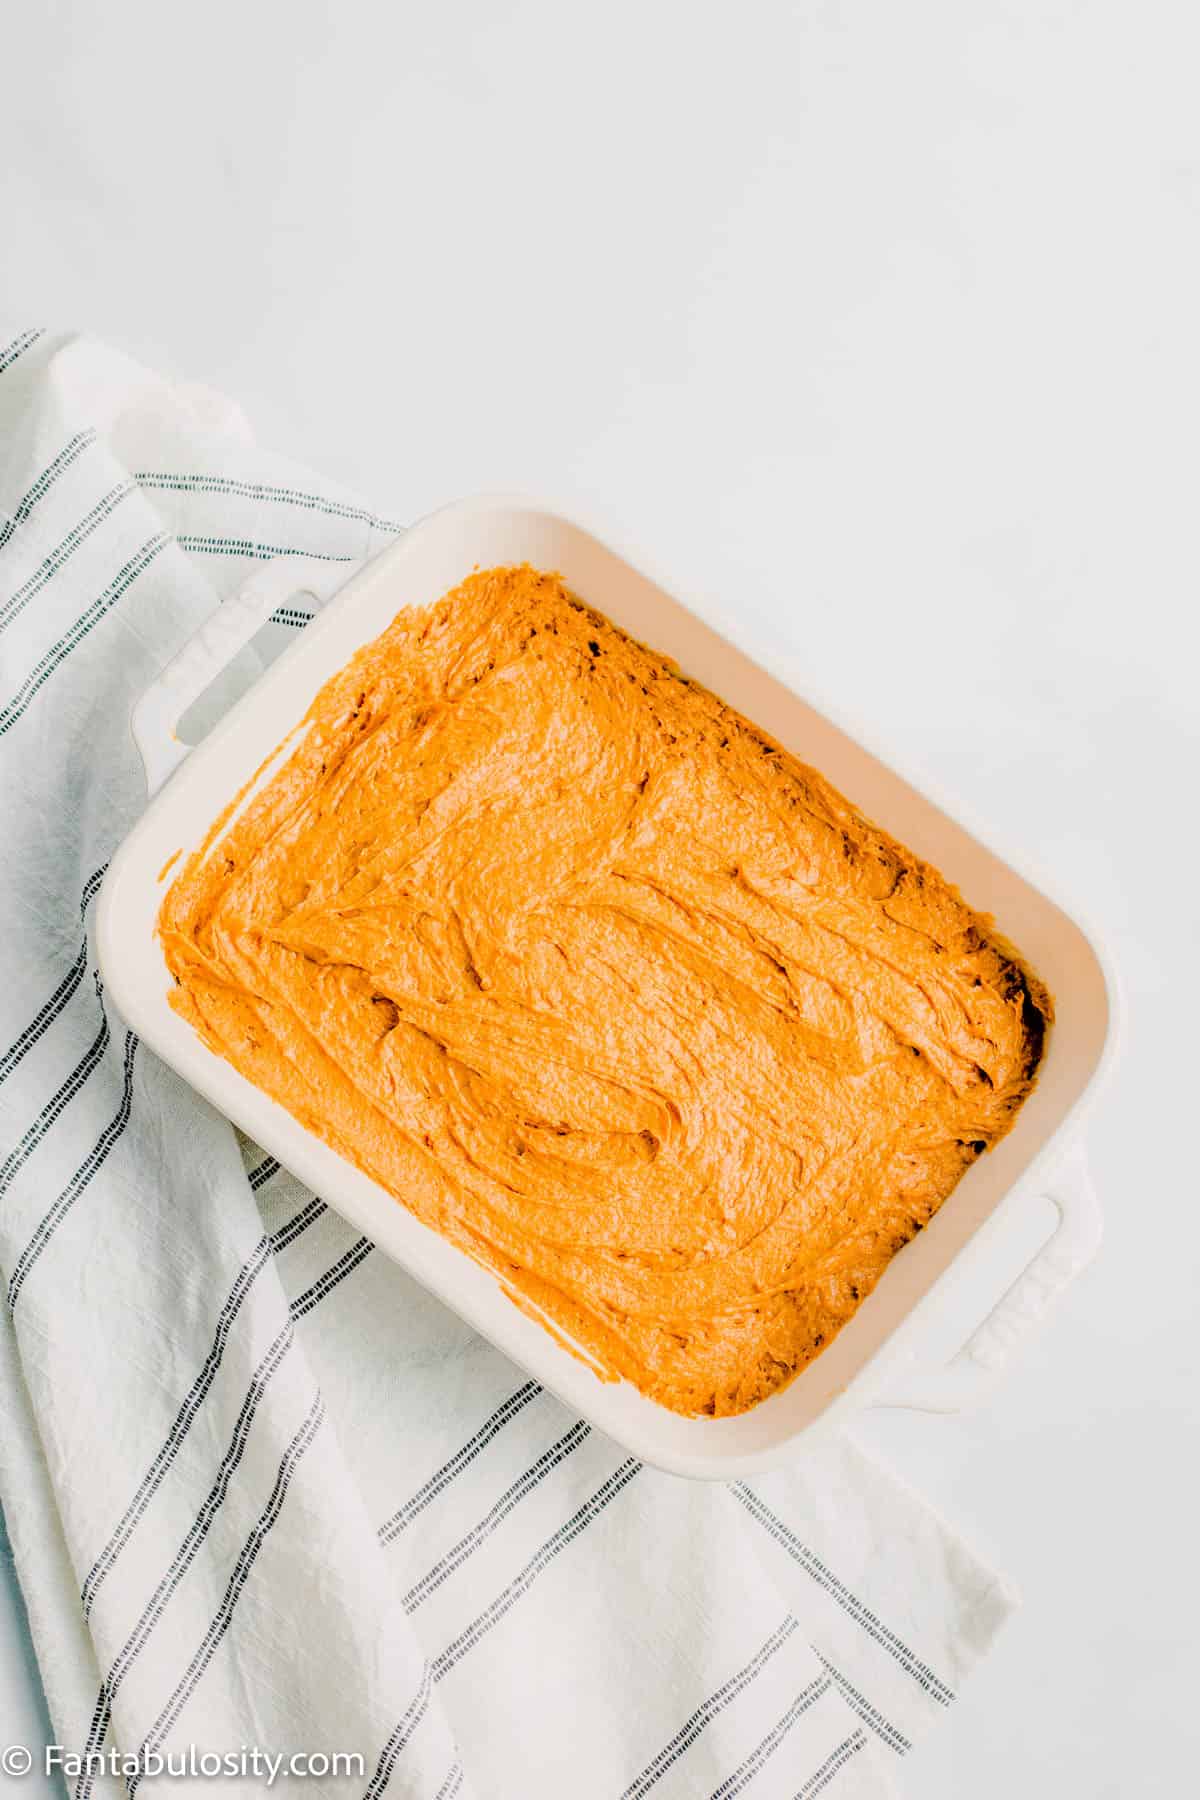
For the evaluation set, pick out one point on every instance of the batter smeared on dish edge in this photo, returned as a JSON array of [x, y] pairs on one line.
[[607, 987]]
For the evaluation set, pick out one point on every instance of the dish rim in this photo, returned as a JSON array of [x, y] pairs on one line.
[[865, 1384]]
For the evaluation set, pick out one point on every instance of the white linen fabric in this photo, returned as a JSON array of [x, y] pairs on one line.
[[262, 1490]]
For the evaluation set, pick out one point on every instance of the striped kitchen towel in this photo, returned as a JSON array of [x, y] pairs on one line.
[[263, 1492]]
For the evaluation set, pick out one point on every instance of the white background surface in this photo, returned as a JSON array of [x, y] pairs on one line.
[[881, 319]]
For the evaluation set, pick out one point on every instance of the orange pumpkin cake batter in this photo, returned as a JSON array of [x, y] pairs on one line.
[[605, 986]]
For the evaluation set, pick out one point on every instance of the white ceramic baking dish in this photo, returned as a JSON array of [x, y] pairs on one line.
[[880, 1354]]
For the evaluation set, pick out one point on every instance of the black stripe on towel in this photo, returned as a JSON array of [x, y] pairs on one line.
[[503, 1603], [479, 1627], [261, 490], [260, 1176], [870, 1715], [537, 1564], [391, 1752], [278, 1349], [263, 1251], [308, 1215], [61, 995], [45, 481], [492, 1520], [70, 640], [57, 1104], [441, 1479], [79, 1180], [192, 1675], [746, 1771], [79, 534], [704, 1714], [182, 1424], [452, 1783], [305, 1302], [198, 544], [184, 1556], [18, 347], [812, 1565], [345, 1265], [836, 1760]]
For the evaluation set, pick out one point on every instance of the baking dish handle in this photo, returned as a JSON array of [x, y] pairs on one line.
[[193, 669], [970, 1374]]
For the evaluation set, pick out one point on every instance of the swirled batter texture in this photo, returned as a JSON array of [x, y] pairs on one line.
[[606, 986]]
